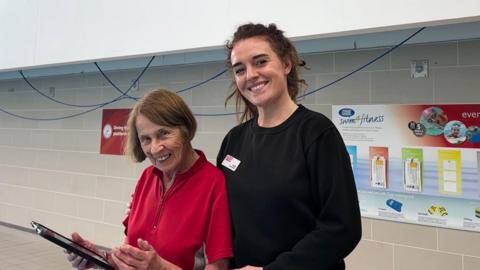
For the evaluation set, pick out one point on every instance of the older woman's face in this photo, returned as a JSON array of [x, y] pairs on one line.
[[164, 146]]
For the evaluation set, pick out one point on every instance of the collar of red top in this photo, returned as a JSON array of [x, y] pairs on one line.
[[185, 175]]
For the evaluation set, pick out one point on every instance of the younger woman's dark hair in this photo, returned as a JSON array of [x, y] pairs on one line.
[[284, 49]]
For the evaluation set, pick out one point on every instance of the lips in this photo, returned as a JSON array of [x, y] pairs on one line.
[[256, 87]]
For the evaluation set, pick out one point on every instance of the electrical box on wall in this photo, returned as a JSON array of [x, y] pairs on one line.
[[419, 68]]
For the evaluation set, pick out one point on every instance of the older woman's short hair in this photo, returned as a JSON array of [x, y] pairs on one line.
[[164, 108]]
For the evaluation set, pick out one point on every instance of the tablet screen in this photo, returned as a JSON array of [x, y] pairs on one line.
[[70, 245]]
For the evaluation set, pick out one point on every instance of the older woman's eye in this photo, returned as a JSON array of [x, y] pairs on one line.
[[164, 132], [260, 62], [144, 140]]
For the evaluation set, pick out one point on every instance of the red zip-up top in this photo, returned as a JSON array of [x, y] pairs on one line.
[[192, 219]]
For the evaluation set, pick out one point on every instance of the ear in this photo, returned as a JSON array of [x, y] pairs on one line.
[[288, 67]]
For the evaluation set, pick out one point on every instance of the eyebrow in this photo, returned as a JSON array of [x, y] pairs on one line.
[[254, 58]]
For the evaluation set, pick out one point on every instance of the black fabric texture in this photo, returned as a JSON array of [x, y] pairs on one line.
[[293, 199]]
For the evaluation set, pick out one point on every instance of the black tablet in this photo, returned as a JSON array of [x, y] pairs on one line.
[[71, 246]]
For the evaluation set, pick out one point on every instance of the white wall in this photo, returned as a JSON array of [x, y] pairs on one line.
[[51, 32]]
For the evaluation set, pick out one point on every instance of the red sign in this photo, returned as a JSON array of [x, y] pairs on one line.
[[114, 131]]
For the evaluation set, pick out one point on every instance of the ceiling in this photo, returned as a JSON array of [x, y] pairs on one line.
[[458, 31]]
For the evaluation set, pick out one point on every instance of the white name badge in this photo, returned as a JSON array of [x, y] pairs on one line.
[[230, 162]]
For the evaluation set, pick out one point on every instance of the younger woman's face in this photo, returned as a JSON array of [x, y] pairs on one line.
[[260, 75]]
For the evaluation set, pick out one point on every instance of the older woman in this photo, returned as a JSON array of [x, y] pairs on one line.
[[179, 213]]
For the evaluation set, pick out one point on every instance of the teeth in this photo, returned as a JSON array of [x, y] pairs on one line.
[[257, 87], [162, 158]]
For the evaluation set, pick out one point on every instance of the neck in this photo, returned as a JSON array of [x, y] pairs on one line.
[[168, 180], [190, 157], [169, 177], [275, 114]]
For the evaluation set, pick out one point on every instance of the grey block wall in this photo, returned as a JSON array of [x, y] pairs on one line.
[[52, 172]]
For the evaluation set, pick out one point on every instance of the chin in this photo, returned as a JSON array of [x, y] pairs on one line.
[[256, 100], [259, 103]]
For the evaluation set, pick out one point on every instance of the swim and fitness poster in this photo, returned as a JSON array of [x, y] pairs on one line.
[[415, 163]]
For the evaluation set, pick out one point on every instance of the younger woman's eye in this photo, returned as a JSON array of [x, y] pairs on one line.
[[239, 71]]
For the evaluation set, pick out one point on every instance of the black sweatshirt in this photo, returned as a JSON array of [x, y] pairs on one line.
[[293, 198]]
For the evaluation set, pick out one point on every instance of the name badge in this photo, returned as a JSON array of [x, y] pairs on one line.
[[230, 162]]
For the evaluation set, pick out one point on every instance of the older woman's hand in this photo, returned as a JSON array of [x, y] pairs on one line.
[[78, 261], [127, 257]]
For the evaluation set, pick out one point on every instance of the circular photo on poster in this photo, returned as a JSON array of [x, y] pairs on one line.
[[473, 134], [434, 120], [107, 131], [455, 132]]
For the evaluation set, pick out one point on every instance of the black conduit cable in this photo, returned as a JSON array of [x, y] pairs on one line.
[[50, 98], [341, 78], [180, 91], [364, 66], [61, 102], [200, 83], [50, 119], [215, 76], [123, 96]]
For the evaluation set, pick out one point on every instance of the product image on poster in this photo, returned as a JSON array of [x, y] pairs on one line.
[[449, 176], [379, 172], [378, 167], [437, 210], [412, 169], [413, 175], [449, 163], [395, 205]]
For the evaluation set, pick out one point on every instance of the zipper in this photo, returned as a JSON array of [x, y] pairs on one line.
[[162, 202]]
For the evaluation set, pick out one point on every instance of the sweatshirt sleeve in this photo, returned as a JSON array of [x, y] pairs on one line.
[[338, 225]]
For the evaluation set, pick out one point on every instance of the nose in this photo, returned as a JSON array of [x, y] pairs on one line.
[[156, 146], [252, 73]]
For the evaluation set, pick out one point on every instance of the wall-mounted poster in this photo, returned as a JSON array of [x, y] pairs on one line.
[[114, 131], [415, 163]]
